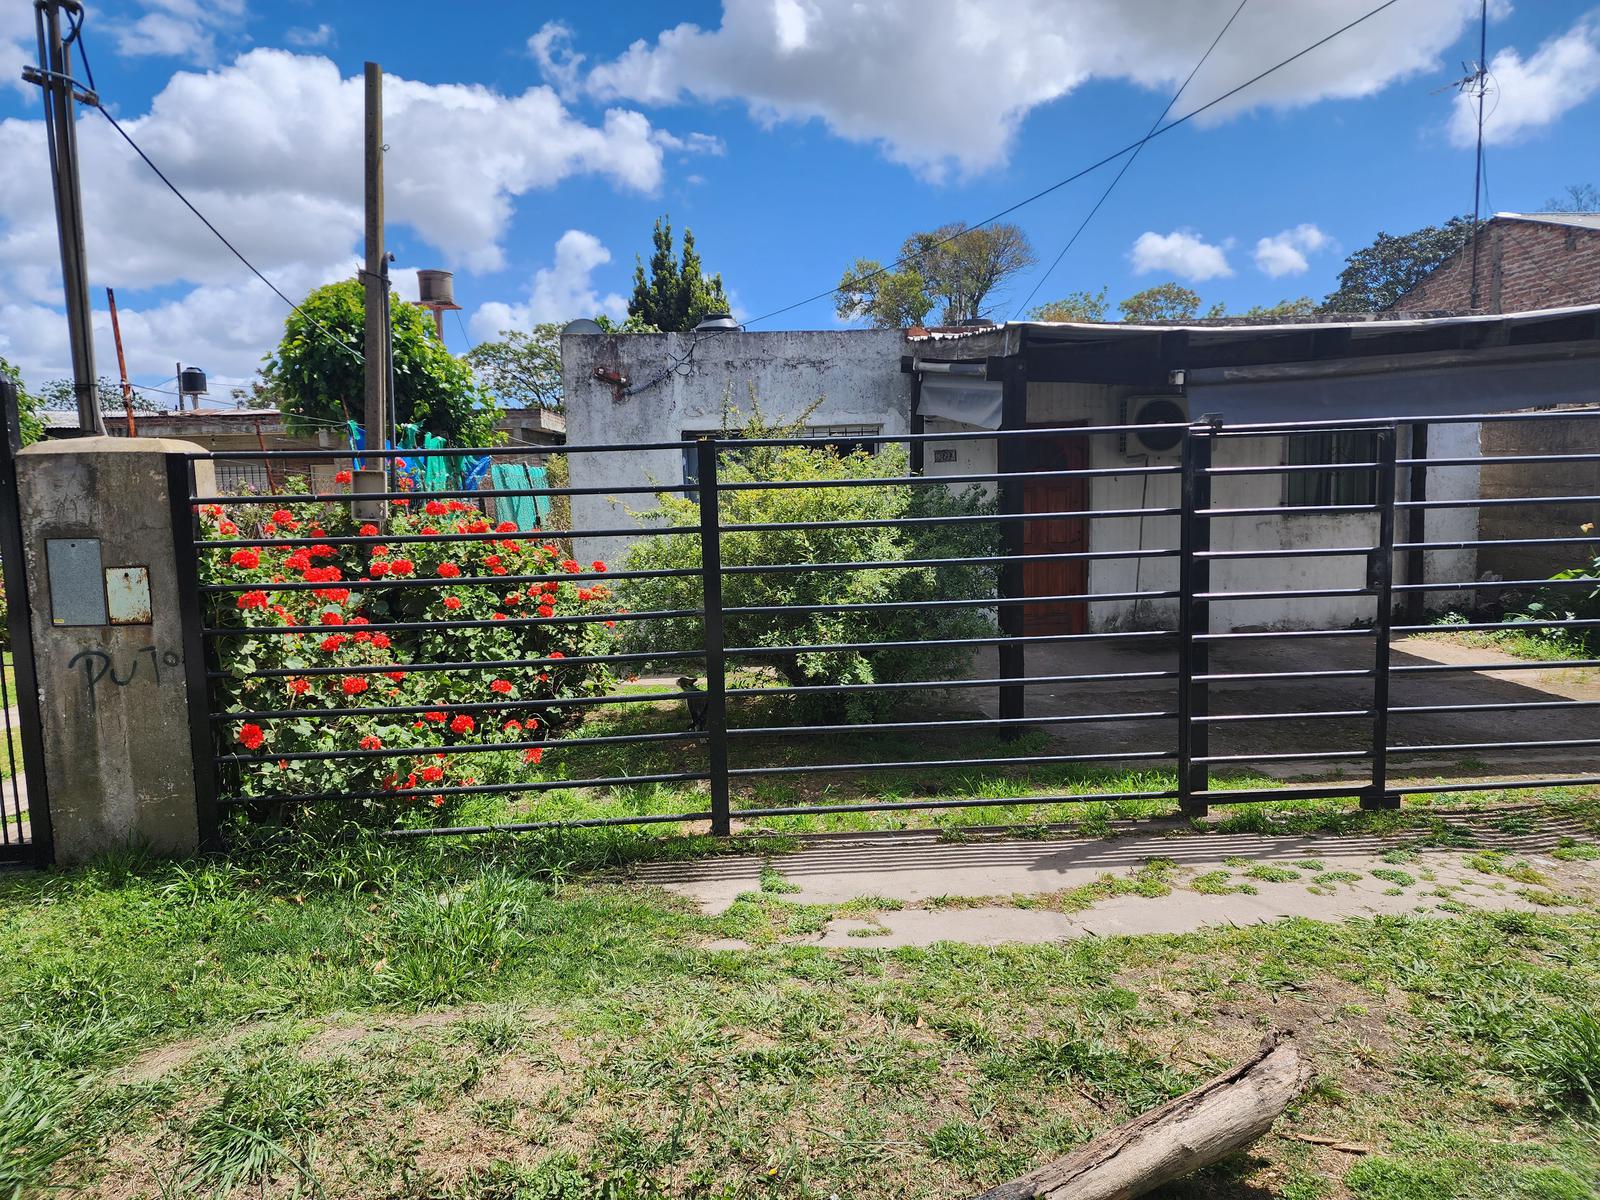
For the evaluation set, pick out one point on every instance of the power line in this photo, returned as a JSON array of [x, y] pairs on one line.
[[187, 203], [1094, 166], [1131, 159]]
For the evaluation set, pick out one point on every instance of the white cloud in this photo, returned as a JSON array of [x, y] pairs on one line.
[[946, 83], [562, 291], [1528, 94], [1181, 253], [185, 29], [322, 35], [269, 148], [1285, 253]]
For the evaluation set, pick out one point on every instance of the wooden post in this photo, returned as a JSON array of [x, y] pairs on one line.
[[122, 362], [375, 336], [1011, 457]]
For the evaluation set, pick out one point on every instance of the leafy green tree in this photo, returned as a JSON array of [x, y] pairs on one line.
[[521, 368], [904, 590], [320, 382], [1578, 197], [885, 299], [1375, 276], [1074, 306], [31, 426], [1164, 302], [59, 395], [676, 295], [953, 267], [1305, 306]]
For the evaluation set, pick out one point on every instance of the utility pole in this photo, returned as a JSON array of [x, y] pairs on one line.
[[375, 341], [122, 362], [54, 75], [1479, 80]]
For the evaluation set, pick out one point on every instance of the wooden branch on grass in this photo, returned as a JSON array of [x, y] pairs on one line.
[[1195, 1130]]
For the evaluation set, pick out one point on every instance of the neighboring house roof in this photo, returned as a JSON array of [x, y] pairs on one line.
[[1580, 220]]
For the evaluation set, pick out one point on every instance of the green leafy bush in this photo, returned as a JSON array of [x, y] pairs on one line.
[[344, 665], [905, 591], [1568, 603]]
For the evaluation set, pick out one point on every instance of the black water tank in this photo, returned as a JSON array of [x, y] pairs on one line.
[[192, 381]]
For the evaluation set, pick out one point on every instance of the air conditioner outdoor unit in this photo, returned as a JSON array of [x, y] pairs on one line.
[[1152, 410]]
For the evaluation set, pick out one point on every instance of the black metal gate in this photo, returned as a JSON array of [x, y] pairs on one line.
[[24, 807], [1209, 709]]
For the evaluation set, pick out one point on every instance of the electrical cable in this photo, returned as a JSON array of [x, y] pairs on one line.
[[1131, 159], [1076, 175], [77, 35]]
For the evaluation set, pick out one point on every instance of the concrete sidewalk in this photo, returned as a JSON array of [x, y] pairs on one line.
[[993, 891]]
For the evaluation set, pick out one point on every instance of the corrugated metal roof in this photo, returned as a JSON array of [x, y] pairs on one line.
[[1579, 220]]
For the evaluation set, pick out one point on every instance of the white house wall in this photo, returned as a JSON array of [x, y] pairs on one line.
[[852, 376]]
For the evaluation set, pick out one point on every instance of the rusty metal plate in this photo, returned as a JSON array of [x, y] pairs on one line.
[[128, 595]]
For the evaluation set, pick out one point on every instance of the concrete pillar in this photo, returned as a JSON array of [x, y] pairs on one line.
[[114, 702]]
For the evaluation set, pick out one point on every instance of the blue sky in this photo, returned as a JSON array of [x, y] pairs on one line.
[[533, 145]]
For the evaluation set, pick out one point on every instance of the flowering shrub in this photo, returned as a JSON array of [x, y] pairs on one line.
[[345, 663]]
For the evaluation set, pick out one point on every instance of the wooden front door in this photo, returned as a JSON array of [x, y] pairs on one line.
[[1059, 577]]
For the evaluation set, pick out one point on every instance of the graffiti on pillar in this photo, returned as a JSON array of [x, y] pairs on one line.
[[99, 665]]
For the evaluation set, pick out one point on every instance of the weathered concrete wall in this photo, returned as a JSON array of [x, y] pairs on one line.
[[1577, 436], [113, 699], [851, 376]]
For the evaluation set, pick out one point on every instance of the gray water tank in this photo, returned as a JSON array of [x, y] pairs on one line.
[[192, 381], [437, 287]]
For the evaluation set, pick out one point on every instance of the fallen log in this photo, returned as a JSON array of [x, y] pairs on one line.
[[1195, 1130]]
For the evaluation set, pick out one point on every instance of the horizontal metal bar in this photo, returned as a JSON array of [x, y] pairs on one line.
[[1338, 791], [758, 485], [1480, 542], [489, 664], [508, 623], [1030, 639], [1496, 460], [1283, 756], [281, 499], [1263, 428], [536, 826], [1294, 552], [524, 451], [464, 706], [1287, 510], [477, 789], [963, 519], [1340, 673], [1292, 468], [1499, 502], [1031, 760], [1495, 785], [1554, 665], [1468, 626], [980, 435], [976, 723], [806, 810], [1499, 706], [981, 602], [1282, 633], [1287, 594], [941, 684], [444, 581], [974, 561], [1332, 714], [551, 744], [1564, 743], [1467, 585], [238, 543]]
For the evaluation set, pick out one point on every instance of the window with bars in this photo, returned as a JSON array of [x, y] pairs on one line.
[[1306, 488]]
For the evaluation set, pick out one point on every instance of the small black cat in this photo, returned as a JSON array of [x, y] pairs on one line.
[[696, 703]]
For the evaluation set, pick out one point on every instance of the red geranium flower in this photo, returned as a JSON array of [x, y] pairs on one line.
[[299, 686], [533, 754], [437, 718], [251, 737], [284, 517], [401, 566], [378, 569], [372, 742], [369, 531], [333, 641], [252, 600], [397, 676], [499, 616], [354, 685], [247, 557], [452, 602], [512, 727], [546, 611], [227, 528], [462, 724], [597, 565], [342, 477], [434, 508], [501, 686], [449, 570], [432, 774]]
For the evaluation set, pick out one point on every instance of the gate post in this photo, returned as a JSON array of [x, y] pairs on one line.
[[1380, 578], [109, 644], [711, 622], [1194, 618]]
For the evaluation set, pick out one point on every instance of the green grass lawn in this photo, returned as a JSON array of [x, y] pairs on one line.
[[348, 1016], [1538, 646]]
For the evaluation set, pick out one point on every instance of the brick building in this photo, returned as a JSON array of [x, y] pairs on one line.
[[1526, 262]]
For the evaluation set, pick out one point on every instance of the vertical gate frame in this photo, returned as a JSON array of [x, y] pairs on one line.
[[1380, 578], [24, 666], [196, 664], [712, 622], [1194, 617]]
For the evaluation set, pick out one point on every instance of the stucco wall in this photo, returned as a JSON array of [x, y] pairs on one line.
[[852, 376], [1579, 435]]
